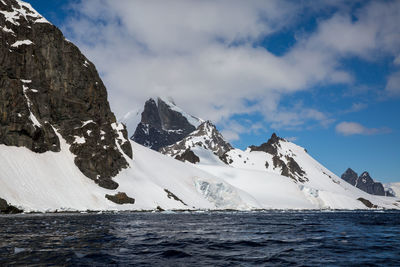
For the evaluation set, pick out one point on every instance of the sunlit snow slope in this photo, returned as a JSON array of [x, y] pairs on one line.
[[320, 187], [51, 181], [277, 174]]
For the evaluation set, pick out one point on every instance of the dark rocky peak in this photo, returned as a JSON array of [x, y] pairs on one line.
[[163, 123], [206, 136], [50, 90], [350, 176], [150, 114], [270, 146], [365, 183]]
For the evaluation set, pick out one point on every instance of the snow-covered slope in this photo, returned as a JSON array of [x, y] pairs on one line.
[[393, 188], [277, 174], [51, 181], [53, 140]]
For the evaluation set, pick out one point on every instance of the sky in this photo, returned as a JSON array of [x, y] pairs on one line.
[[323, 74]]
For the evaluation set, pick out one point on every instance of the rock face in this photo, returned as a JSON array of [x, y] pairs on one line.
[[121, 198], [206, 137], [163, 124], [367, 203], [49, 89], [189, 156], [270, 146], [8, 209], [365, 183]]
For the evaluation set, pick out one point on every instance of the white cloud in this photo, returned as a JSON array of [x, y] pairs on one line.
[[202, 54], [393, 84], [295, 117], [232, 129], [371, 31], [352, 128], [291, 139], [397, 60], [230, 135], [355, 107]]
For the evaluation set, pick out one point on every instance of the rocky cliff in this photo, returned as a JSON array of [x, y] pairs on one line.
[[162, 124], [50, 90]]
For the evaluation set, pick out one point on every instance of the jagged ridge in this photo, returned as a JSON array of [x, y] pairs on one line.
[[206, 136]]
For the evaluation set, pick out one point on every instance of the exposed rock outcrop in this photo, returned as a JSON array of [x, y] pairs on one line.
[[206, 136], [271, 146], [173, 196], [7, 208], [189, 156], [288, 165], [49, 88], [163, 124], [367, 203], [120, 198]]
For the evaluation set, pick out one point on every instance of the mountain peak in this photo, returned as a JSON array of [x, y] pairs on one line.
[[350, 172], [162, 123], [206, 136], [364, 182], [270, 146], [16, 11]]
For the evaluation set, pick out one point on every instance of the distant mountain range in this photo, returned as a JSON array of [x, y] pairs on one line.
[[365, 183], [208, 150], [62, 149]]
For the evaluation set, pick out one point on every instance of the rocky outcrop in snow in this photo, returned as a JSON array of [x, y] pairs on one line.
[[271, 156], [48, 86], [205, 137], [162, 124]]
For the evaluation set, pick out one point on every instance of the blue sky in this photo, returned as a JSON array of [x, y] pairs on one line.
[[325, 74]]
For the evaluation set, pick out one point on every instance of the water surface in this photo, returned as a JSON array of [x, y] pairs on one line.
[[302, 238]]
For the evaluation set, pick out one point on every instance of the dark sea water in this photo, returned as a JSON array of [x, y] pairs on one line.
[[270, 238]]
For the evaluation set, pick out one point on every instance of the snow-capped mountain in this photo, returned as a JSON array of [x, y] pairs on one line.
[[61, 147], [267, 171], [161, 124], [271, 165], [365, 183], [205, 139], [49, 88]]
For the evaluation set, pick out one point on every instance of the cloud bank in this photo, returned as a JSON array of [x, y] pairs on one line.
[[207, 55], [353, 128]]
